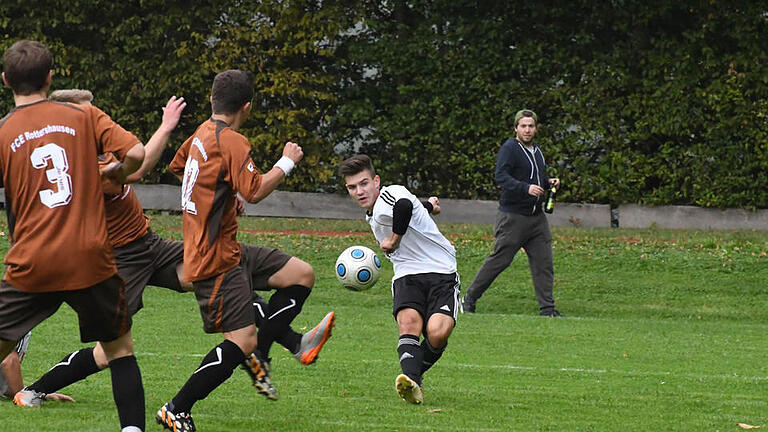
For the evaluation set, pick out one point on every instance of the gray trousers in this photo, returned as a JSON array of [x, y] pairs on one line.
[[513, 231]]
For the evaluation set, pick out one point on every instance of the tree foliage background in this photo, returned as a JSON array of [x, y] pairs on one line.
[[651, 102]]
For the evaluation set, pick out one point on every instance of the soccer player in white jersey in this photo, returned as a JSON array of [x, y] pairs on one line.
[[425, 286]]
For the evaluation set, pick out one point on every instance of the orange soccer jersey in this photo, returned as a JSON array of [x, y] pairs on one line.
[[126, 220], [215, 165], [54, 201]]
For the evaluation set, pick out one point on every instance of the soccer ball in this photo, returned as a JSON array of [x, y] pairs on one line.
[[358, 268]]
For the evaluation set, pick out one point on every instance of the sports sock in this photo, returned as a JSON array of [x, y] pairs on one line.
[[260, 310], [215, 368], [128, 392], [431, 355], [411, 356], [71, 369], [289, 339], [284, 305]]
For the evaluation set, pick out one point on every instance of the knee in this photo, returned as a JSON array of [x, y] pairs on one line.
[[306, 275], [120, 347], [100, 357], [438, 339], [409, 322]]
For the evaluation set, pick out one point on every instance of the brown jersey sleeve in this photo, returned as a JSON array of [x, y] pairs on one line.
[[108, 186], [246, 178], [110, 135], [180, 159]]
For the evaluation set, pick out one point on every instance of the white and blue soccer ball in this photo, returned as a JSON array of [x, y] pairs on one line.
[[358, 268]]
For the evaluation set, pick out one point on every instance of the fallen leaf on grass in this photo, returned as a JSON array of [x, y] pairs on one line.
[[747, 426]]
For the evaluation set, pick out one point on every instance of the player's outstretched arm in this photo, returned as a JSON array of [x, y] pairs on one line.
[[119, 171], [292, 154], [156, 144]]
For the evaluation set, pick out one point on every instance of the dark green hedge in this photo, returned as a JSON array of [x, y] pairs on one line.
[[639, 102]]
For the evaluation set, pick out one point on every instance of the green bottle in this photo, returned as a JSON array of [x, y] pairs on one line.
[[549, 207]]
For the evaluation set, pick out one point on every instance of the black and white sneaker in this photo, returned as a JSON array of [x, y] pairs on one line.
[[174, 421], [259, 371]]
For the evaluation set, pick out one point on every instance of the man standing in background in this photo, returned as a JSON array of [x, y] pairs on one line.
[[521, 173]]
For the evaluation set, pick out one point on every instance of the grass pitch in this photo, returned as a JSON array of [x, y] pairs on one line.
[[664, 330]]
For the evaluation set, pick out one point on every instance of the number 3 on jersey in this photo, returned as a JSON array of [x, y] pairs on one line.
[[191, 171], [56, 175]]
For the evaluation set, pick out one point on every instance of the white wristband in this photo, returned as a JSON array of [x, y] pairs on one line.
[[286, 164]]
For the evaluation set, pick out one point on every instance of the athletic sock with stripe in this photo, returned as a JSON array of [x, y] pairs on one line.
[[71, 369], [284, 305], [411, 356], [215, 368]]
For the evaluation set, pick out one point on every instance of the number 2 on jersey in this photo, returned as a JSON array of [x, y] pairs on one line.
[[191, 171], [56, 175]]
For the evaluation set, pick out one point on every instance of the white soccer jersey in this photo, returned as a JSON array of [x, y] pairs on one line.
[[423, 249]]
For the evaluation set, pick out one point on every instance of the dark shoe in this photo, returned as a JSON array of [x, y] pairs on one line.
[[554, 313], [466, 305], [259, 371], [174, 421]]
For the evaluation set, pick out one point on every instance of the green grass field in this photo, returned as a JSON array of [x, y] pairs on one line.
[[664, 331]]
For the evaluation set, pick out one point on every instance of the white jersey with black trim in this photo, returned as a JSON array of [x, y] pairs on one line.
[[423, 249]]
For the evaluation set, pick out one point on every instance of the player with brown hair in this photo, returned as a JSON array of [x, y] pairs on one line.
[[60, 250], [215, 165], [143, 258]]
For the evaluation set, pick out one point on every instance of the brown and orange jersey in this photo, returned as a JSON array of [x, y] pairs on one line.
[[126, 220], [54, 200], [215, 166]]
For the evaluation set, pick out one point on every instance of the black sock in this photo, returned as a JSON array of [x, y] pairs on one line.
[[284, 305], [215, 368], [260, 310], [69, 370], [431, 355], [411, 356], [289, 339], [128, 392]]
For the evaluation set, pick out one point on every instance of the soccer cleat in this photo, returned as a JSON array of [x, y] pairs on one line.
[[408, 389], [258, 370], [312, 342], [467, 306], [176, 422], [28, 398]]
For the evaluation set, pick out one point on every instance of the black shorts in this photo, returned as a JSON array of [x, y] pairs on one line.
[[260, 263], [101, 310], [427, 293], [225, 301], [148, 260]]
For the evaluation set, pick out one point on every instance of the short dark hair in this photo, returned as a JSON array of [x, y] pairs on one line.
[[356, 164], [231, 90], [26, 65]]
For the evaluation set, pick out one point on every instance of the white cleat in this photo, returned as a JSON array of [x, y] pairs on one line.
[[408, 389]]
